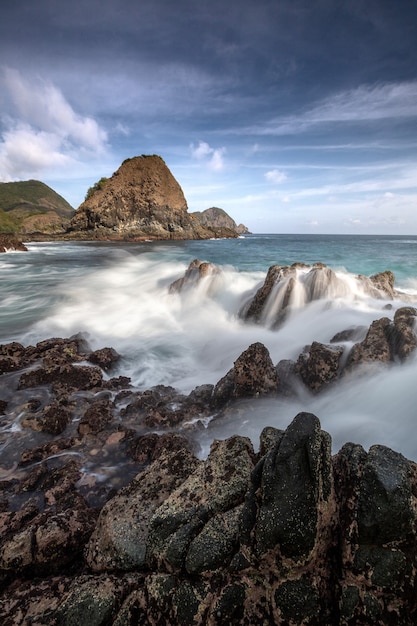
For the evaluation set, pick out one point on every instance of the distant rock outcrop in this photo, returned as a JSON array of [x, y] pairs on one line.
[[217, 219], [30, 206], [142, 200], [9, 243]]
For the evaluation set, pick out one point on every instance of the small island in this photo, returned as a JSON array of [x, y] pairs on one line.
[[141, 201]]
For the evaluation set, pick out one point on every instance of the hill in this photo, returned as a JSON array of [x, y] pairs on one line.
[[31, 206], [141, 200]]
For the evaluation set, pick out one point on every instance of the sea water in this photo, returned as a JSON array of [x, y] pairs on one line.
[[118, 295]]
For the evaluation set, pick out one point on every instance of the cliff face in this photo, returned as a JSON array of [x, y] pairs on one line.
[[141, 200]]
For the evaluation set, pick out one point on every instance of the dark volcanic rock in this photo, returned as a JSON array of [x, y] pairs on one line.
[[385, 503], [253, 374], [375, 347], [119, 542], [288, 536], [196, 271], [52, 420], [200, 512], [96, 417], [386, 341], [403, 337], [295, 480], [319, 365], [105, 358], [49, 543], [63, 378]]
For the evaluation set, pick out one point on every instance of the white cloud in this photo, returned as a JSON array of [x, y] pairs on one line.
[[201, 151], [276, 176], [24, 151], [364, 103], [212, 156], [43, 132], [368, 102]]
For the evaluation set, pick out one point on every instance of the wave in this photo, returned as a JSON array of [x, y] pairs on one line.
[[194, 336]]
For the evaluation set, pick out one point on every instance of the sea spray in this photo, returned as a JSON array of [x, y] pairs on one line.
[[119, 296]]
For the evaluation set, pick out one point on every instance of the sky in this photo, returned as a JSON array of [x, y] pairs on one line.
[[294, 116]]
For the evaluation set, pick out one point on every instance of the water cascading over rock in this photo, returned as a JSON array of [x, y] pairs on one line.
[[291, 287]]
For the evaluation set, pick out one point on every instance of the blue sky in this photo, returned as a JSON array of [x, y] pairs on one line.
[[295, 116]]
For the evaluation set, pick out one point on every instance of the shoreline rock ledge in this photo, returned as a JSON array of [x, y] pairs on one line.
[[141, 200], [288, 535]]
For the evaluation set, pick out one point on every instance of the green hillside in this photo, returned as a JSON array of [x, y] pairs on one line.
[[31, 206]]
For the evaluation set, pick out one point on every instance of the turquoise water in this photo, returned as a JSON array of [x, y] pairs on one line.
[[357, 254], [117, 294]]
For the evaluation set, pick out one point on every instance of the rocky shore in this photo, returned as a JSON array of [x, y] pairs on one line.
[[109, 515]]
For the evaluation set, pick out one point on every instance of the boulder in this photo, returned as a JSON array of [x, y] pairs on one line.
[[253, 374], [105, 358], [403, 337], [96, 418], [386, 341], [254, 311], [295, 481], [195, 273], [319, 365], [384, 283], [189, 518], [285, 286], [63, 378], [53, 419], [120, 539]]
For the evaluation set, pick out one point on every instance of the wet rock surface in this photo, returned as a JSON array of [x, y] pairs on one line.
[[288, 535], [108, 516], [286, 287]]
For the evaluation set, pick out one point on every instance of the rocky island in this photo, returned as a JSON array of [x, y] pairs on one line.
[[141, 201]]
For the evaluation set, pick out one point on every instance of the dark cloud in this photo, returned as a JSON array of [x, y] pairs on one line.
[[246, 91]]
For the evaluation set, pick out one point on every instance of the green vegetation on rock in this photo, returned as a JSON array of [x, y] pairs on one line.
[[28, 206], [100, 184]]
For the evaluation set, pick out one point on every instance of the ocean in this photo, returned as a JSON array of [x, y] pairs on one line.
[[118, 295]]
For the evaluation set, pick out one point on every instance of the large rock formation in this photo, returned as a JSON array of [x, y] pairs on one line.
[[289, 535], [286, 287], [142, 200]]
